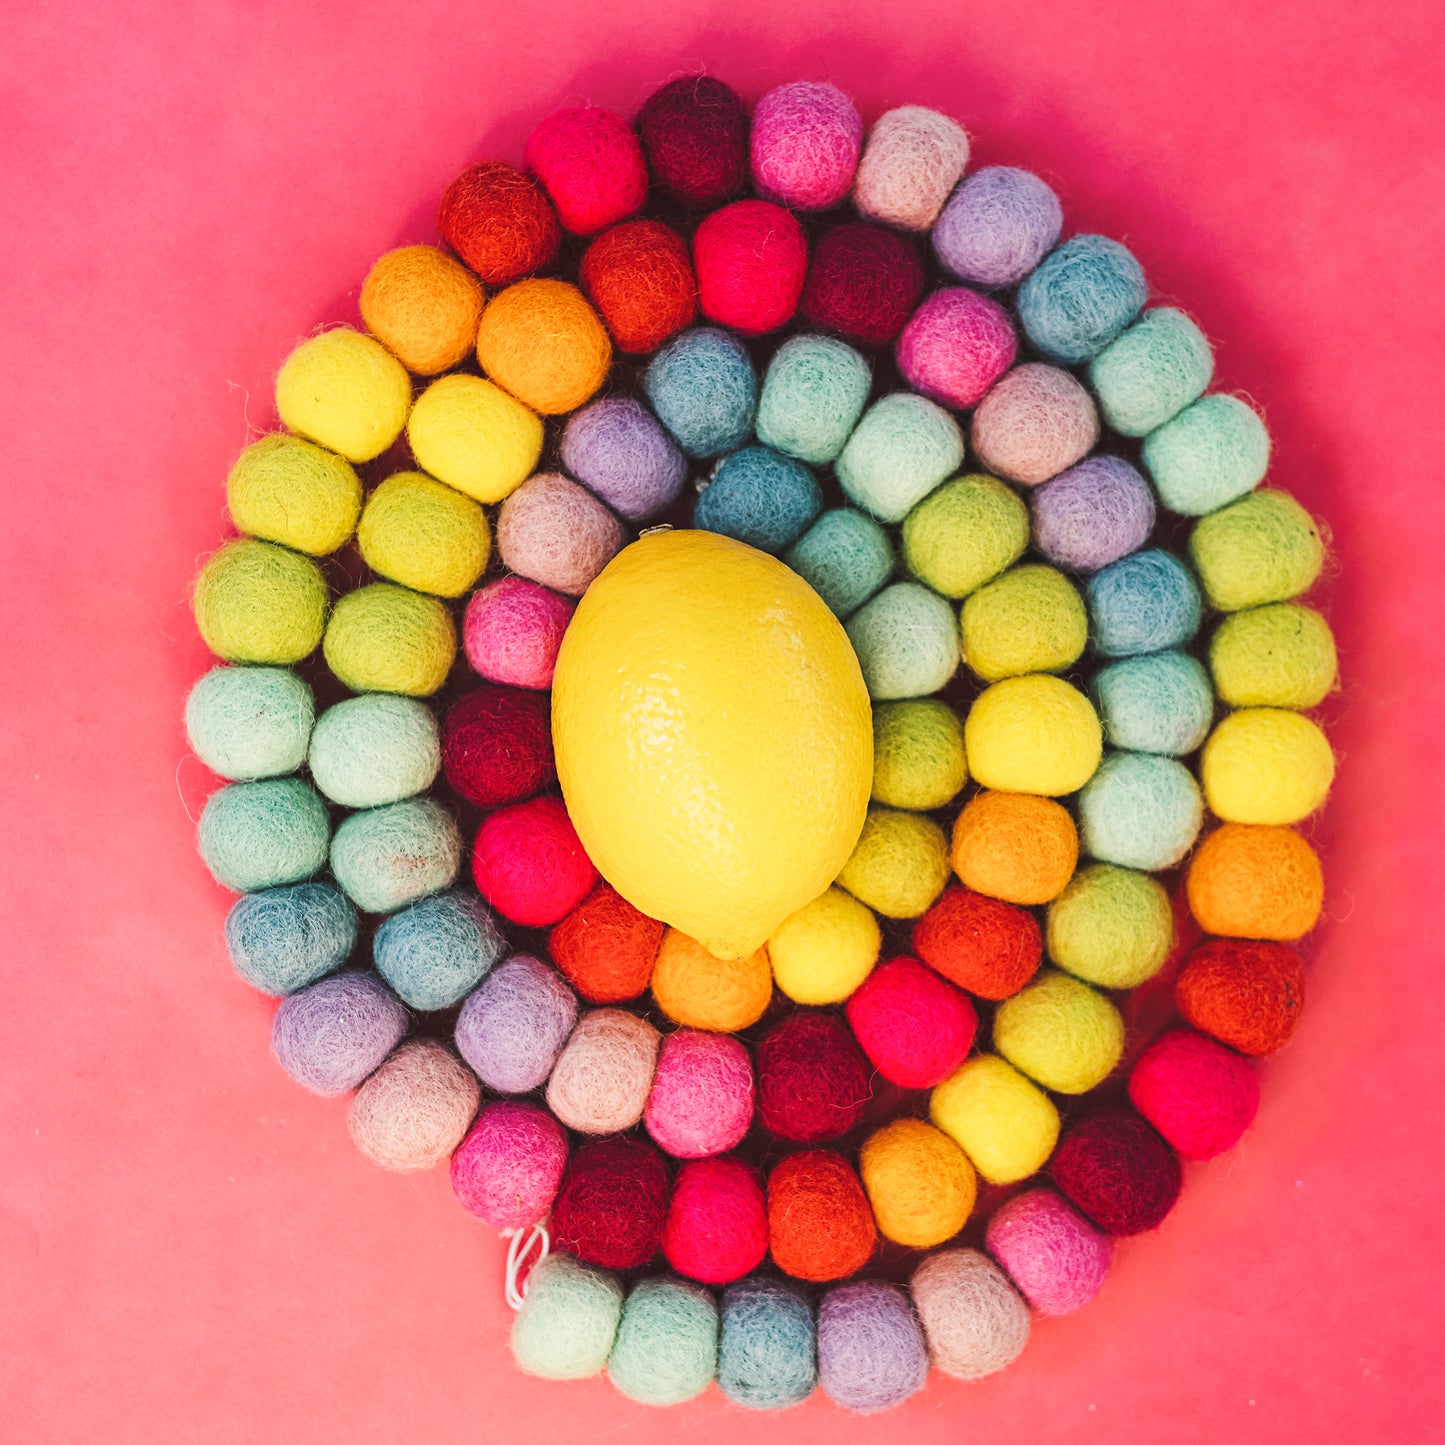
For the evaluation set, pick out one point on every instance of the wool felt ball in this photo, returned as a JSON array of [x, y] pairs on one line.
[[919, 1182], [767, 1347], [1111, 926], [982, 944], [901, 449], [1080, 298], [751, 259], [717, 1222], [1060, 1033], [1253, 881], [1014, 846], [639, 277], [619, 451], [918, 760], [813, 393], [568, 1322], [384, 638], [541, 340], [900, 864], [250, 722], [700, 991], [821, 953], [426, 536], [704, 390], [344, 391], [473, 436], [605, 947], [512, 630], [1114, 1168], [955, 346], [613, 1203], [863, 283], [974, 1320], [1035, 422], [1140, 810], [590, 164], [263, 834], [910, 165], [335, 1032], [436, 951], [285, 489], [1199, 1095], [513, 1025], [914, 1026], [666, 1349], [1263, 548], [529, 865], [1277, 656], [1266, 765], [415, 1109], [906, 638], [388, 857], [1031, 619], [509, 1167], [1159, 703], [813, 1081], [1211, 454], [423, 307], [761, 497], [872, 1354], [845, 557], [701, 1102], [556, 533], [375, 749], [694, 131], [964, 534], [1145, 602], [1056, 1259], [499, 222], [1247, 993], [1006, 1124], [602, 1077], [1151, 371], [997, 226], [281, 939], [255, 602], [820, 1227], [496, 745], [1032, 734], [804, 146], [1093, 514]]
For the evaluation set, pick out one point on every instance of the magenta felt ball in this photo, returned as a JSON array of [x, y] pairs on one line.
[[805, 145], [1052, 1253], [702, 1094], [590, 163], [529, 864], [915, 1027], [508, 1168], [512, 630], [717, 1223], [863, 283], [751, 260], [1198, 1094], [955, 346]]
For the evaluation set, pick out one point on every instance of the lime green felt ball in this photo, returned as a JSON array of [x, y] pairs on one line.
[[1032, 619], [1263, 548], [1277, 656], [1111, 926], [918, 760], [346, 391], [256, 602], [900, 864], [1060, 1032], [288, 490], [384, 638], [424, 535], [964, 534]]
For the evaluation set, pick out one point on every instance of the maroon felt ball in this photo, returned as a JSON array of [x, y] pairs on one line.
[[529, 864], [590, 164], [612, 1204], [1198, 1094], [863, 283], [813, 1081], [717, 1223], [695, 133], [1115, 1168], [497, 745], [751, 259], [915, 1027]]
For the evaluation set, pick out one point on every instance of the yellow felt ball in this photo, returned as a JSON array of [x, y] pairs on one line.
[[1277, 656], [423, 306], [821, 953], [919, 1182], [426, 536], [473, 436], [345, 391], [698, 990], [255, 602], [288, 490], [542, 340], [1033, 734], [900, 864], [1060, 1032], [1032, 619], [384, 638], [1005, 1123], [1266, 765]]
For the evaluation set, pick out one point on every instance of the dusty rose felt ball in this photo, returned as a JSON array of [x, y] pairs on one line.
[[1198, 1094], [717, 1222], [529, 864], [557, 533], [915, 1026]]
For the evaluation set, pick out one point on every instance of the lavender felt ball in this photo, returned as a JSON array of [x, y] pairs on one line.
[[1093, 514], [512, 1027], [618, 450], [330, 1036]]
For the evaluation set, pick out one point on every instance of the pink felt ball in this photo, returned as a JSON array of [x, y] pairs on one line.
[[717, 1223], [556, 533], [1198, 1094], [915, 1027], [590, 163], [509, 1167], [805, 145], [956, 345], [529, 864], [702, 1094], [512, 630], [1052, 1253], [751, 261]]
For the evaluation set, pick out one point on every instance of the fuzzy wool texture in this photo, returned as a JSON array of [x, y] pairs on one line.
[[1211, 454], [872, 1354], [751, 259], [955, 346], [1263, 548], [263, 834], [385, 858], [1055, 1258], [541, 340], [900, 863], [384, 638], [1004, 1122], [470, 434], [695, 133], [639, 277], [767, 1349], [986, 946], [666, 1349], [964, 534], [820, 1226], [605, 947], [805, 143], [813, 393], [512, 1027], [1246, 993], [423, 307], [1035, 734], [1198, 1094], [528, 863], [568, 1322], [1030, 619], [1266, 765], [375, 749], [1115, 1168], [1035, 422], [863, 283], [906, 638], [1080, 298], [1159, 703], [813, 1080], [821, 953], [698, 990], [282, 939], [288, 490], [702, 1096], [424, 535], [556, 533], [620, 452], [436, 951], [332, 1034], [997, 226], [1060, 1032], [1254, 881], [1145, 602], [1282, 655], [415, 1109], [256, 602], [920, 1184], [1014, 846], [902, 448], [1140, 810], [910, 166], [1151, 371], [704, 390], [346, 392], [1111, 926], [499, 222], [591, 165], [845, 557], [509, 1167], [1093, 514], [245, 723], [975, 1321], [612, 1204], [918, 759], [496, 745], [761, 497], [512, 630], [602, 1077], [717, 1222]]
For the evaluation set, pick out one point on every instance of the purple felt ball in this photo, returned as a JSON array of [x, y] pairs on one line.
[[330, 1036], [1052, 1253], [617, 449], [997, 226], [1093, 514], [872, 1354], [513, 1024]]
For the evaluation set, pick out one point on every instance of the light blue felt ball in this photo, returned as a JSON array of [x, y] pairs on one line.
[[1159, 703], [281, 939], [704, 390], [845, 557], [264, 834], [813, 394], [1151, 371], [388, 857], [760, 497], [1145, 602], [1140, 811], [1080, 297], [375, 749], [1209, 455], [767, 1352], [437, 950], [250, 722], [902, 448], [907, 642], [666, 1347]]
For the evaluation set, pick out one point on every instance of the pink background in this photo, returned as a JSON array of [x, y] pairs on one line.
[[190, 1249]]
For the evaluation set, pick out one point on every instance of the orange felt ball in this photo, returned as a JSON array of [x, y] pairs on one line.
[[701, 991], [423, 307], [1248, 880], [820, 1225], [605, 947], [639, 276], [543, 342], [1015, 846]]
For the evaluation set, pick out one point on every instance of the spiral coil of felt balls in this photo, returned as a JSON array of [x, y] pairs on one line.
[[805, 142], [332, 1034], [1140, 810], [612, 1204], [974, 1319], [918, 759], [1060, 1033], [246, 723], [704, 390], [666, 1347], [695, 133], [473, 436], [1254, 881], [374, 749], [767, 1347], [344, 391], [845, 557], [1035, 422], [1111, 926], [591, 166], [499, 222], [512, 630], [602, 1077], [863, 283], [813, 1081], [509, 1167], [1151, 371], [263, 834], [496, 745], [1211, 454], [717, 1222], [426, 536], [513, 1025], [423, 307], [1263, 548], [619, 451], [955, 346], [287, 490], [639, 277], [1114, 1168], [1266, 765], [965, 534], [388, 857], [813, 393], [1158, 703], [900, 864], [415, 1109], [906, 638], [1199, 1095], [1247, 993], [910, 165], [384, 638], [700, 991], [820, 1226], [821, 953], [1015, 847], [1080, 298], [282, 939], [541, 340], [1031, 619], [701, 1100], [919, 1182], [872, 1354], [568, 1322], [256, 602], [1056, 1259], [997, 226], [434, 952], [529, 864], [556, 533], [1282, 655], [1034, 734], [751, 259], [1093, 514], [1146, 602], [1006, 1124], [761, 497], [605, 947], [988, 947], [902, 448]]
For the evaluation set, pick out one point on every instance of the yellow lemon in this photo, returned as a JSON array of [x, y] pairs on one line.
[[713, 736]]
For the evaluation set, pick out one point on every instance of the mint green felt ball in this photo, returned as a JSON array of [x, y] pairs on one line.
[[1159, 703], [901, 449], [918, 760], [263, 834], [375, 749], [568, 1322], [813, 394], [250, 722], [666, 1347], [845, 557], [965, 534], [388, 857], [1211, 454], [1151, 371], [1140, 810], [906, 639]]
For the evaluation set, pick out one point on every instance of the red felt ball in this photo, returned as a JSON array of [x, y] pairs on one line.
[[813, 1081], [984, 945], [590, 163], [612, 1204], [497, 745], [863, 284], [499, 222], [1117, 1170], [915, 1027], [820, 1225], [750, 258], [695, 133], [529, 864], [606, 947], [717, 1224], [1248, 992], [1198, 1094], [640, 279]]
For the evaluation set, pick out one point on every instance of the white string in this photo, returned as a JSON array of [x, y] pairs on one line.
[[517, 1252]]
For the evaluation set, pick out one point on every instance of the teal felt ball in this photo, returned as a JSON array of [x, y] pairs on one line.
[[845, 557], [1151, 371], [1146, 602], [281, 939], [1140, 810], [768, 1349], [1159, 703], [250, 722], [761, 497], [263, 834], [666, 1347], [436, 951], [388, 857], [1080, 297], [704, 390], [813, 393], [375, 749]]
